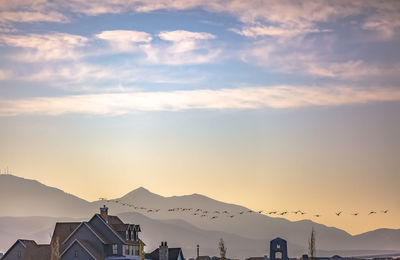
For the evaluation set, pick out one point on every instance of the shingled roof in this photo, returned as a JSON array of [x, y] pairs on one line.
[[173, 254], [33, 250]]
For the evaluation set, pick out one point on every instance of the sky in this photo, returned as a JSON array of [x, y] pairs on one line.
[[274, 105]]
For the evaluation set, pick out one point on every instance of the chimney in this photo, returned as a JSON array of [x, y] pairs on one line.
[[163, 251], [104, 213], [198, 250]]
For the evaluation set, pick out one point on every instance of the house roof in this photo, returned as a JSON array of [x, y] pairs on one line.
[[86, 246], [63, 229], [32, 250], [116, 225], [204, 257], [173, 254]]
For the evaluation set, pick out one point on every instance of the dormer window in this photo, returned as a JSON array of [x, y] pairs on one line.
[[132, 235]]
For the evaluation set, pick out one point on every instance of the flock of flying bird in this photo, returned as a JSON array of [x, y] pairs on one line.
[[217, 213]]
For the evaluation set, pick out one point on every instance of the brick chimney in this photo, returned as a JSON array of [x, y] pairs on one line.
[[104, 213], [163, 251]]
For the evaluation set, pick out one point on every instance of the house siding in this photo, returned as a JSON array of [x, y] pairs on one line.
[[83, 233], [108, 234], [81, 252], [12, 254]]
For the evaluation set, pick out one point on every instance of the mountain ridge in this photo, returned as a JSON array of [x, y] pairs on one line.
[[16, 201]]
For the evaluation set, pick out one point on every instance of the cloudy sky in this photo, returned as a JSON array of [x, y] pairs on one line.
[[280, 105]]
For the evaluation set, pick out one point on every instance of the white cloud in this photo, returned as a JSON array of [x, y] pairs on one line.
[[256, 31], [5, 74], [385, 24], [32, 16], [124, 40], [39, 47], [186, 48], [241, 98]]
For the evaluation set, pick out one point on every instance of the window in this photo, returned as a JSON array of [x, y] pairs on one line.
[[127, 235], [115, 249], [126, 250], [132, 236], [76, 253], [19, 254]]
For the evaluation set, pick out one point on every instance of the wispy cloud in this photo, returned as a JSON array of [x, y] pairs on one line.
[[5, 74], [241, 98], [38, 47], [124, 40], [256, 31], [32, 16], [183, 47]]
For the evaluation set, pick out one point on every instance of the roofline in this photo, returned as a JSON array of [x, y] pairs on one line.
[[115, 233], [76, 240], [76, 229], [18, 241]]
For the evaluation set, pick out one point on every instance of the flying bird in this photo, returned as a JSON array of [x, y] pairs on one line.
[[355, 214], [385, 211], [260, 211], [283, 213], [372, 212], [317, 215], [338, 213], [214, 217], [231, 216]]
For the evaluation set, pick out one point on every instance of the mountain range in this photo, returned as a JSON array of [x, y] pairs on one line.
[[30, 210]]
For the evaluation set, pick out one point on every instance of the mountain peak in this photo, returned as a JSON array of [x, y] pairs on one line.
[[140, 192]]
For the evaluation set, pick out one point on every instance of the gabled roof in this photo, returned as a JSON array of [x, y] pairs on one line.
[[116, 225], [32, 250], [173, 254], [63, 230], [92, 229], [203, 257], [86, 246]]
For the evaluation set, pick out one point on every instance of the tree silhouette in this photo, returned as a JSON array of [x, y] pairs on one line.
[[311, 244], [222, 249], [55, 249]]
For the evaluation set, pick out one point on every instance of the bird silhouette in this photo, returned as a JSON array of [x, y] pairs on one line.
[[214, 217], [355, 214], [317, 215], [338, 213], [385, 211], [231, 216], [260, 211], [283, 213], [241, 212], [272, 212], [372, 212]]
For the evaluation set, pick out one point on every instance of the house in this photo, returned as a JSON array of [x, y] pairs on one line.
[[165, 253], [103, 237], [27, 249]]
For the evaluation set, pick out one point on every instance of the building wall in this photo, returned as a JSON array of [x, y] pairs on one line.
[[84, 233], [108, 234], [82, 253], [13, 253]]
